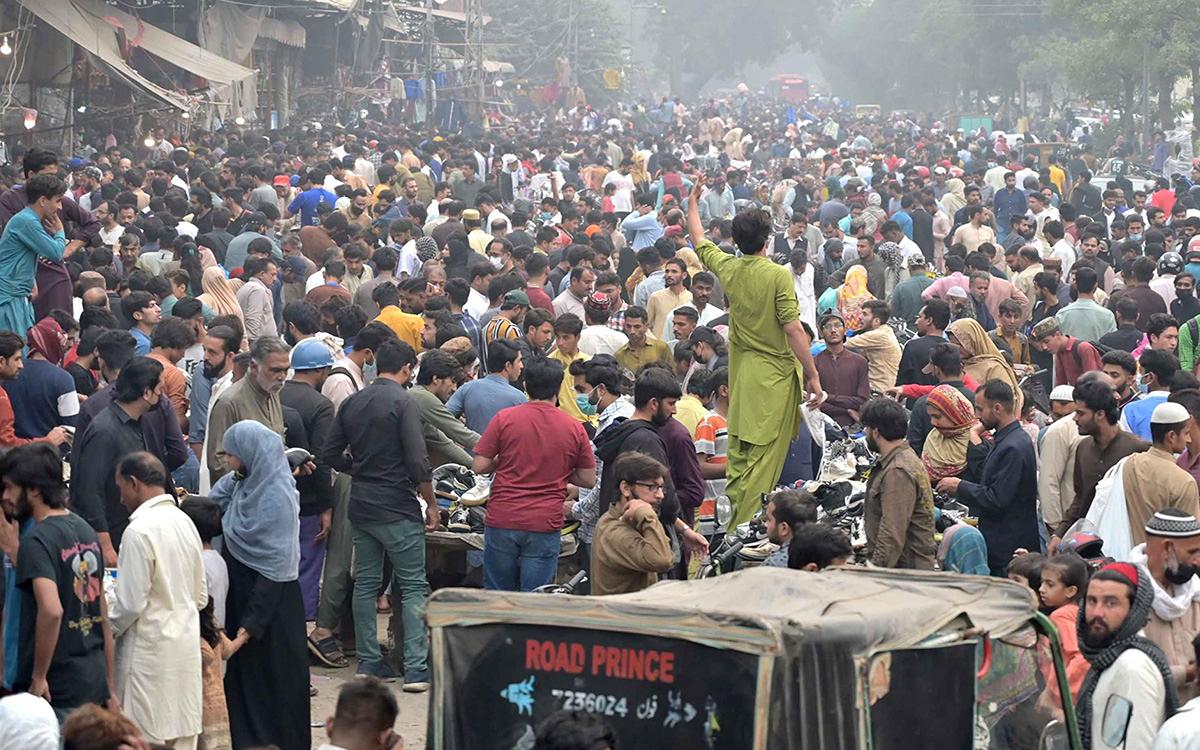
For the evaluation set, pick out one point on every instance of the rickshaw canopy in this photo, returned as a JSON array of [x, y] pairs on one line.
[[753, 611]]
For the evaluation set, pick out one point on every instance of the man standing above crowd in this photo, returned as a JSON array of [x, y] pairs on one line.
[[768, 349]]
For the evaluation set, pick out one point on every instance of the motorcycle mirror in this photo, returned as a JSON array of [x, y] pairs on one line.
[[724, 510]]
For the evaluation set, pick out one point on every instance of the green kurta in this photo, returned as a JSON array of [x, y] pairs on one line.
[[766, 382]]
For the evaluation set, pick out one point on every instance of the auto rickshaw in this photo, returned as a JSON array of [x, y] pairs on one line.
[[766, 658]]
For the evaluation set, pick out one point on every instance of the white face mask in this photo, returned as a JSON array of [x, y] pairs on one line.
[[497, 263]]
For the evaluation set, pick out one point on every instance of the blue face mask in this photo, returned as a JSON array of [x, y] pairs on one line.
[[584, 402]]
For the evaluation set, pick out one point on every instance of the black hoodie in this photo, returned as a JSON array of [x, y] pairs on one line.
[[625, 437]]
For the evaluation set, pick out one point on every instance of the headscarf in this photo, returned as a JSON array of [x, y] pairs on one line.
[[47, 339], [985, 361], [28, 722], [733, 145], [963, 550], [1126, 637], [851, 295], [217, 293], [954, 198], [261, 523], [207, 259], [638, 171], [891, 254], [427, 248], [945, 452]]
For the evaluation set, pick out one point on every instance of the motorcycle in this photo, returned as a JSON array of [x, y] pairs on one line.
[[568, 588], [745, 546]]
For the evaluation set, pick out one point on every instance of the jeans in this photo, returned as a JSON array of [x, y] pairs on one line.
[[519, 560], [402, 542], [188, 475]]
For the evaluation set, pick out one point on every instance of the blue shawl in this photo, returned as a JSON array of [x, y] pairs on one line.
[[261, 523]]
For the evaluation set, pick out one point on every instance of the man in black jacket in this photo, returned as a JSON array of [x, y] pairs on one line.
[[654, 397], [311, 363]]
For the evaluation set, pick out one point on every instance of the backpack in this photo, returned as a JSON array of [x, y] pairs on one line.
[[347, 373], [1101, 349]]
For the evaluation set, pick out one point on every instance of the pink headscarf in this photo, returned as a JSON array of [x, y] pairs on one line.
[[47, 338]]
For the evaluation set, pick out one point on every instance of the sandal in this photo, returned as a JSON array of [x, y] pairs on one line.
[[326, 652]]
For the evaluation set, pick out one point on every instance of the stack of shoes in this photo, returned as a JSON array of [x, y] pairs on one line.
[[479, 493]]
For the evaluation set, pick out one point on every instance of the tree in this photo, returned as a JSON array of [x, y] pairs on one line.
[[704, 38], [534, 34]]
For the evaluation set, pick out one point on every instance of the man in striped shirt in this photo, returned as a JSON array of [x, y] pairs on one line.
[[507, 323]]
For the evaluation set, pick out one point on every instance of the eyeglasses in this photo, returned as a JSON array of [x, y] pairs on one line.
[[652, 486]]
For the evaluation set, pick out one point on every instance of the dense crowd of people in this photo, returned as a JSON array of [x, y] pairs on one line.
[[619, 321]]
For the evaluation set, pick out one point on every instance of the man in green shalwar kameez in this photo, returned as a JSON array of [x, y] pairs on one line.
[[769, 356]]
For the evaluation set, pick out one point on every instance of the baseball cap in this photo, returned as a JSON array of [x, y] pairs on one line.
[[311, 354], [282, 180], [515, 298], [93, 172], [673, 231]]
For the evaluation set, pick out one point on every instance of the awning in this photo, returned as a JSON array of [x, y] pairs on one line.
[[417, 10], [283, 31], [163, 44], [100, 40]]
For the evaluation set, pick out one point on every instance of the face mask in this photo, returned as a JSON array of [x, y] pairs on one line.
[[586, 407], [1185, 293], [497, 263], [370, 371], [1178, 573], [1136, 237]]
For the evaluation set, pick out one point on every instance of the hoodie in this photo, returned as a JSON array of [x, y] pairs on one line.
[[623, 437]]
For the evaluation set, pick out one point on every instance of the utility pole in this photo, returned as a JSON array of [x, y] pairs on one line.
[[1145, 98], [430, 104], [473, 73]]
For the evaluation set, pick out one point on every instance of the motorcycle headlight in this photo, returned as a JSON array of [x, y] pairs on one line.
[[724, 510]]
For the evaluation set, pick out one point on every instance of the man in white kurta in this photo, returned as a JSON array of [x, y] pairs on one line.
[[154, 608]]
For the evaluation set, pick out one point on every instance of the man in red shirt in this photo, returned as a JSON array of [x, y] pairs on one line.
[[534, 450], [1072, 357]]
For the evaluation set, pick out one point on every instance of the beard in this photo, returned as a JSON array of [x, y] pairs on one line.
[[660, 418], [212, 372], [1179, 573], [1097, 634], [22, 510], [871, 444]]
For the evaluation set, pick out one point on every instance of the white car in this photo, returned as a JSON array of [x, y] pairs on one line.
[[1107, 173]]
